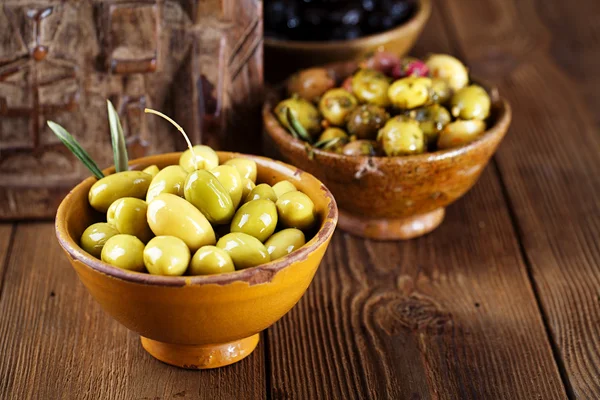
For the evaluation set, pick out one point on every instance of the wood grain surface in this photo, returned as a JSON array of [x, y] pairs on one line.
[[501, 302]]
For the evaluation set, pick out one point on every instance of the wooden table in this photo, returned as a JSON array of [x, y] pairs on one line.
[[501, 302]]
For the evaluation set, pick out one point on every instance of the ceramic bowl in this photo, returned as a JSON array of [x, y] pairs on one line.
[[390, 198], [199, 322], [284, 57]]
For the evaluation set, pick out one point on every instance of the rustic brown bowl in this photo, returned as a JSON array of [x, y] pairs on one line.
[[284, 57], [391, 198], [208, 321]]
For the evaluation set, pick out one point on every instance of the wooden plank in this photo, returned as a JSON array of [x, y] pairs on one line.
[[6, 232], [550, 162], [450, 315], [56, 342]]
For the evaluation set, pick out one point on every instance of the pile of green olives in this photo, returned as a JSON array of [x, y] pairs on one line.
[[388, 107], [196, 218]]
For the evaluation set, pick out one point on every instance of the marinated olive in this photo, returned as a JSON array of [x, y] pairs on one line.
[[410, 92], [449, 69], [460, 132], [128, 215], [370, 86], [246, 251], [307, 115], [336, 104], [210, 260], [401, 136], [366, 120], [282, 187], [169, 180], [245, 166], [231, 180], [471, 102], [262, 191], [310, 84], [284, 242], [440, 91], [95, 236], [206, 158], [432, 119], [166, 255], [125, 252], [247, 186], [170, 215], [410, 67], [296, 210], [121, 184], [382, 61], [332, 139], [206, 193], [360, 148], [151, 170], [257, 218]]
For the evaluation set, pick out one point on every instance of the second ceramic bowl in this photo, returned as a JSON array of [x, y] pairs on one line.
[[208, 321], [391, 198]]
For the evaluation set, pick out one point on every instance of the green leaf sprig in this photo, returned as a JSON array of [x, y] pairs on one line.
[[117, 138], [296, 127], [75, 148]]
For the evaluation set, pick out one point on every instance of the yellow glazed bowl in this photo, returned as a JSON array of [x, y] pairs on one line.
[[199, 322]]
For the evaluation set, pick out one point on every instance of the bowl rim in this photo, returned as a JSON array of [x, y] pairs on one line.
[[255, 275], [418, 19], [274, 129]]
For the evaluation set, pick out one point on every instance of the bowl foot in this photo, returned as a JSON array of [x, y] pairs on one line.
[[391, 228], [201, 356]]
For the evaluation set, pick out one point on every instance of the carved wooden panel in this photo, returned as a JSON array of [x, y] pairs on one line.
[[200, 61]]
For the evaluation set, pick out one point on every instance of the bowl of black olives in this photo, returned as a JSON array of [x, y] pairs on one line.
[[396, 140], [300, 34]]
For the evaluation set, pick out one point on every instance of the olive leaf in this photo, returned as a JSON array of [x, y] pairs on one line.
[[75, 148], [296, 127], [327, 143], [118, 139]]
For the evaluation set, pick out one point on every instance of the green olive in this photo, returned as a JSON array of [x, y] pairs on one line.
[[257, 218], [262, 191], [94, 237], [204, 191], [370, 86], [247, 186], [310, 84], [245, 166], [282, 187], [151, 170], [449, 69], [401, 136], [170, 215], [366, 120], [166, 255], [210, 260], [128, 215], [410, 92], [246, 251], [471, 102], [332, 139], [440, 91], [336, 104], [432, 119], [307, 115], [296, 210], [460, 132], [284, 242], [125, 252], [121, 184], [231, 180], [360, 148], [168, 180], [206, 158]]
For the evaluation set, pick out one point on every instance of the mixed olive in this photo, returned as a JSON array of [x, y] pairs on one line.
[[196, 218], [388, 107]]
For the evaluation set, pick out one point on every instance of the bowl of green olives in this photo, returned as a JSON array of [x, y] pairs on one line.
[[396, 140], [200, 251]]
